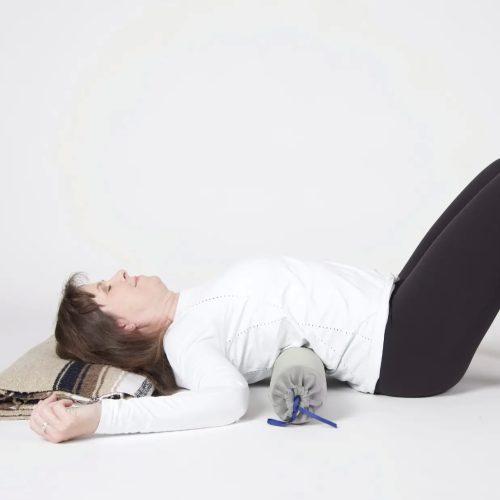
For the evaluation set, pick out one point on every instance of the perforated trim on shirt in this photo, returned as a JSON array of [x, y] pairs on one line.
[[256, 325], [340, 330]]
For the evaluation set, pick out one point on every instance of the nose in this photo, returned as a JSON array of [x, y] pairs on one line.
[[121, 275]]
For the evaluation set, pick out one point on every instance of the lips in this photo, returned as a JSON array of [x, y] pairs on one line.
[[136, 280]]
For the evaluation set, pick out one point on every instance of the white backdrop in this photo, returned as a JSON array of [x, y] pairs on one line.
[[173, 138]]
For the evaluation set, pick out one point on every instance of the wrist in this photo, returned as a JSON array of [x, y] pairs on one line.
[[97, 415], [92, 414]]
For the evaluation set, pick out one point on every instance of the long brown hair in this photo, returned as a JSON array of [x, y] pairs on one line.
[[84, 332]]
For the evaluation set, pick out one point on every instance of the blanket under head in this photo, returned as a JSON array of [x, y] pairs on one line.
[[40, 372]]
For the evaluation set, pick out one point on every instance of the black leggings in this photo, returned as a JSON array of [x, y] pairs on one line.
[[447, 297]]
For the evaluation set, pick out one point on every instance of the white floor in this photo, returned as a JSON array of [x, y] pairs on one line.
[[445, 446]]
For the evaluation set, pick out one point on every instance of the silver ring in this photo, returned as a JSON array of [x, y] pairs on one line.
[[44, 427]]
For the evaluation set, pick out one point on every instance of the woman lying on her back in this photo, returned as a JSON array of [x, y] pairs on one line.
[[410, 335]]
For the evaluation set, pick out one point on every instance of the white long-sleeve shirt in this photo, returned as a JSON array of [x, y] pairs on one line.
[[228, 332]]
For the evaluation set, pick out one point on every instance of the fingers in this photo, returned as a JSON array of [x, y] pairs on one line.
[[44, 402], [48, 414], [36, 424], [47, 410], [61, 409], [49, 399], [35, 419]]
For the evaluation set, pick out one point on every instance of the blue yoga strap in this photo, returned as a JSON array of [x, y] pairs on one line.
[[296, 409]]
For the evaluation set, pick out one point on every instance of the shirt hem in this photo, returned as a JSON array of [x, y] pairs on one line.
[[377, 344]]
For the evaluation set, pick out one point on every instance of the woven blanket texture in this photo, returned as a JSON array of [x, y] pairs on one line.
[[40, 372]]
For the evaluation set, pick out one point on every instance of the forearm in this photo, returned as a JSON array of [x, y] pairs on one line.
[[180, 411]]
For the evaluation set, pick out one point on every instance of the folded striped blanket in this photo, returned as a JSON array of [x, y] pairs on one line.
[[40, 372]]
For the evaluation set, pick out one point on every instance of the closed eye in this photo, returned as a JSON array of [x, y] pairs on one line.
[[102, 286]]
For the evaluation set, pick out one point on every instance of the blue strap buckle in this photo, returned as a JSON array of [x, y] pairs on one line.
[[296, 409]]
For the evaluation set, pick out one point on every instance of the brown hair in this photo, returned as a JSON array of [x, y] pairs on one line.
[[84, 332]]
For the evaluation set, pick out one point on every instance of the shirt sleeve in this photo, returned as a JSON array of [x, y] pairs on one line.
[[217, 394]]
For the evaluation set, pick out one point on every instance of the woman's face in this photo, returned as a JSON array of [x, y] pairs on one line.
[[134, 301]]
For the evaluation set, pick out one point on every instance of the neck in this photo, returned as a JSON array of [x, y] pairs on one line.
[[169, 309]]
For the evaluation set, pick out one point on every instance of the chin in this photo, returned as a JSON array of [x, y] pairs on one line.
[[161, 282]]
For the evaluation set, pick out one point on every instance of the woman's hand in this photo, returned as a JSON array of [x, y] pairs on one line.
[[64, 423]]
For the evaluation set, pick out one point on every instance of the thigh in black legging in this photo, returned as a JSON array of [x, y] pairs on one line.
[[468, 192], [440, 313]]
